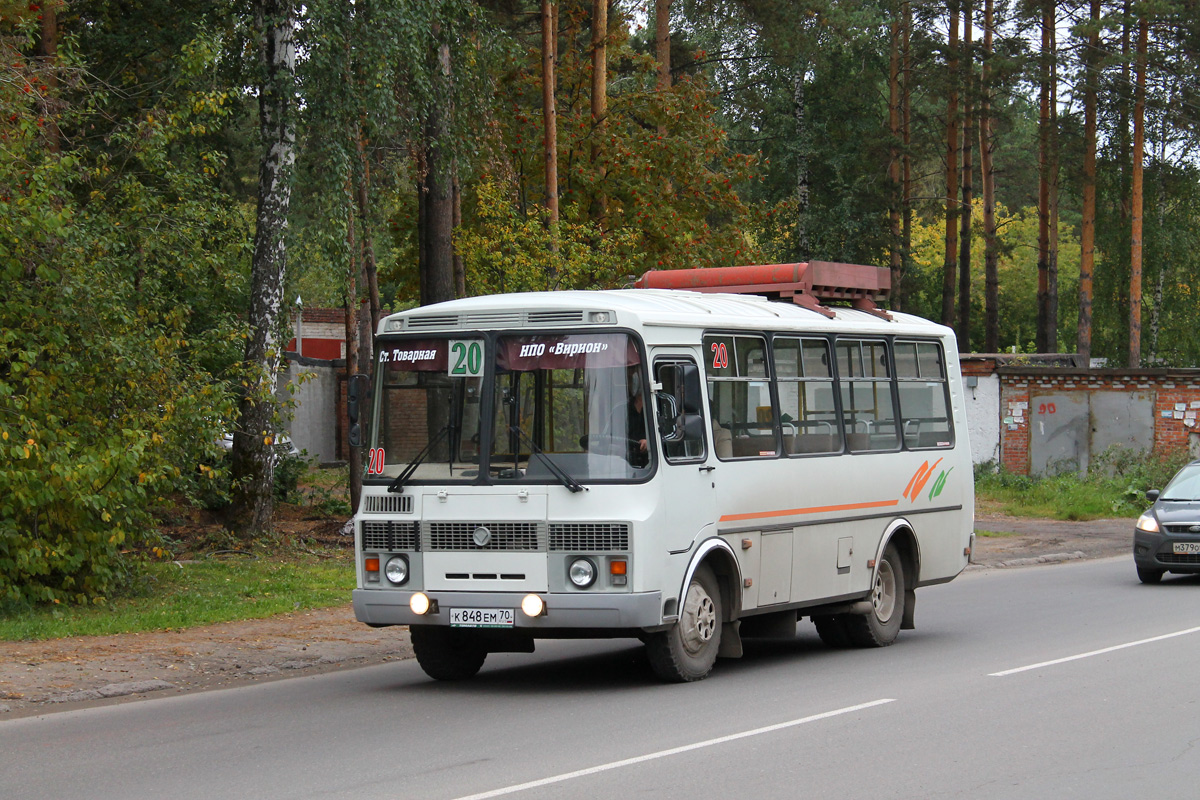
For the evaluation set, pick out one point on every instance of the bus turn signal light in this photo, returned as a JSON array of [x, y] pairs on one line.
[[616, 567]]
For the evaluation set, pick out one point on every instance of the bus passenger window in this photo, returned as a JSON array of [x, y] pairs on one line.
[[739, 392], [924, 410], [807, 414], [865, 384]]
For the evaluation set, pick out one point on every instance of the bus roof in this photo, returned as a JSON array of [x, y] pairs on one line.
[[637, 308]]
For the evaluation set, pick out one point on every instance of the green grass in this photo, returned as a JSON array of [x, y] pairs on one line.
[[1114, 488], [182, 595], [995, 534]]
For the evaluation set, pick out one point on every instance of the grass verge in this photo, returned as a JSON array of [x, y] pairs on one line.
[[188, 594], [1114, 487]]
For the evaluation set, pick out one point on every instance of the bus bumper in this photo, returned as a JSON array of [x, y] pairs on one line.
[[601, 611]]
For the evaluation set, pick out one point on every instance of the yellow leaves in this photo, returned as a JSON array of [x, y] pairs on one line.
[[107, 517], [5, 435]]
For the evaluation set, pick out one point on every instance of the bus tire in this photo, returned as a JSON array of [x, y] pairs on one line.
[[880, 626], [687, 650], [445, 654], [832, 630]]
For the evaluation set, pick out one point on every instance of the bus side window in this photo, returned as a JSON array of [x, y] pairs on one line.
[[806, 396], [682, 436], [865, 385], [924, 410], [739, 393]]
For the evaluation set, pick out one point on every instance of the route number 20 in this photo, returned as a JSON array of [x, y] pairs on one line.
[[466, 358], [720, 355]]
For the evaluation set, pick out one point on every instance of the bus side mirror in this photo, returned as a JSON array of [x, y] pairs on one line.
[[358, 389], [687, 387]]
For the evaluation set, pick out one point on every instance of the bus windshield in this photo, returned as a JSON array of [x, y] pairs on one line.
[[561, 407]]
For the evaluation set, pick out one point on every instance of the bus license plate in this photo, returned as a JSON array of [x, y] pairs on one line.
[[482, 617], [1187, 548]]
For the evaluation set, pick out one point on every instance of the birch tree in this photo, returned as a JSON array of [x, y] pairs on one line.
[[253, 468]]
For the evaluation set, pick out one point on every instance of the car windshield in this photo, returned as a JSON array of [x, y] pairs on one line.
[[562, 408], [1184, 486]]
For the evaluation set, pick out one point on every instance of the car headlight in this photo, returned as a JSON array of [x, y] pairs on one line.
[[1147, 522], [582, 572], [396, 569]]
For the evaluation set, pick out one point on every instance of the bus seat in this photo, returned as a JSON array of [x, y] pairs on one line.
[[722, 441]]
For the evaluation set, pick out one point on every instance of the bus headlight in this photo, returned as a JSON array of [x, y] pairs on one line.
[[396, 570], [582, 572]]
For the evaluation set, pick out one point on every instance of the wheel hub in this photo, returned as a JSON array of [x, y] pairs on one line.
[[699, 619], [883, 595]]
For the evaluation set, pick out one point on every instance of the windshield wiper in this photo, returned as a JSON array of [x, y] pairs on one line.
[[555, 469], [398, 484]]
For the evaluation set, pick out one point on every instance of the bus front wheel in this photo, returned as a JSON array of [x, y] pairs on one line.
[[687, 651], [880, 626], [445, 654]]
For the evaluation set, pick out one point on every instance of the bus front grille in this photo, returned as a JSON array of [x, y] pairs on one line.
[[589, 536], [389, 536], [511, 536]]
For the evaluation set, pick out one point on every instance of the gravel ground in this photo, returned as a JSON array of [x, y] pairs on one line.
[[42, 677]]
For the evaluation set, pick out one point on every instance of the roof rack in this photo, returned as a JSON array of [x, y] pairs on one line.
[[806, 283]]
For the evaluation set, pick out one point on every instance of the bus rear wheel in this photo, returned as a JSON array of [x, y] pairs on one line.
[[687, 651], [880, 626], [445, 654]]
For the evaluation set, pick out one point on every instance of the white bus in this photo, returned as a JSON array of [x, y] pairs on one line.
[[685, 468]]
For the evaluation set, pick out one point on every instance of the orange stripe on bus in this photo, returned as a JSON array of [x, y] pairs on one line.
[[787, 512]]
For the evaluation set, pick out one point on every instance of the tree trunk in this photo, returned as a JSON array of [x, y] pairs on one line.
[[460, 267], [1052, 178], [252, 463], [662, 49], [47, 52], [964, 238], [1087, 234], [803, 245], [599, 103], [1135, 249], [948, 267], [549, 115], [991, 253], [352, 339], [438, 209], [906, 137], [1043, 255], [895, 189], [369, 268]]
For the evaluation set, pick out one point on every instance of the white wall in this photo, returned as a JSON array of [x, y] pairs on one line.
[[313, 426], [983, 417]]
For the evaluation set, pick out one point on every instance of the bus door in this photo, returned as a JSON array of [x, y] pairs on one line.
[[686, 476]]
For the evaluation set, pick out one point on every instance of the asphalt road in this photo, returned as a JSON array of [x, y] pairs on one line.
[[964, 706]]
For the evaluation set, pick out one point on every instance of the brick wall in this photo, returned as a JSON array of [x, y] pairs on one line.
[[1176, 395]]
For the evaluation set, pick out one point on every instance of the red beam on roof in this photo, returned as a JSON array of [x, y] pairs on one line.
[[805, 284]]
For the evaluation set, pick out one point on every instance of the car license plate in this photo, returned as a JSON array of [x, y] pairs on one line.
[[1187, 548], [482, 617]]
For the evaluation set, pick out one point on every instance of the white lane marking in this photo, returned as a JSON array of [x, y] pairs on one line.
[[1093, 653], [566, 776]]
